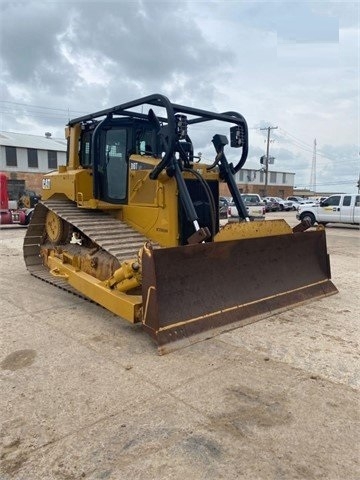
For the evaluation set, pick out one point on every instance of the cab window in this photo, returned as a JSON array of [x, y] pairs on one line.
[[85, 157], [333, 201], [146, 142], [115, 163], [347, 201]]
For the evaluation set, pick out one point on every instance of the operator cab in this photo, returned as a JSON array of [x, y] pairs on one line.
[[106, 146]]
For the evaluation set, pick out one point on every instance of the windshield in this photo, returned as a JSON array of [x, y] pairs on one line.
[[250, 198]]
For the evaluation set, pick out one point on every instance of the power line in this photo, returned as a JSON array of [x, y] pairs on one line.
[[304, 146], [340, 182], [295, 138], [5, 106], [38, 115], [38, 106], [299, 145]]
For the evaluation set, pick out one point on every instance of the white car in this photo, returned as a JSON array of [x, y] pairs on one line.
[[300, 202]]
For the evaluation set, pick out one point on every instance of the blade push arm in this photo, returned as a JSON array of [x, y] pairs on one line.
[[227, 174]]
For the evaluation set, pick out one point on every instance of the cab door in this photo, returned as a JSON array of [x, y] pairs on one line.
[[115, 177], [347, 209], [329, 210], [357, 209], [110, 163]]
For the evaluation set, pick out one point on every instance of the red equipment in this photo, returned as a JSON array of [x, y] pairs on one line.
[[9, 215]]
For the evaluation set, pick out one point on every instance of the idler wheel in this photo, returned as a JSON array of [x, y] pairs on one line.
[[57, 230]]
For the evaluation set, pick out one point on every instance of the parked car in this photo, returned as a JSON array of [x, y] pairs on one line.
[[297, 201], [223, 207], [267, 205], [285, 205], [271, 205], [254, 205], [279, 204], [226, 200]]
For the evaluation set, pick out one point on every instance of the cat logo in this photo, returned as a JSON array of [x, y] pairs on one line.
[[46, 183]]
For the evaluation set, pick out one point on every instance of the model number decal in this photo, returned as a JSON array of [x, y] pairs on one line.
[[140, 166]]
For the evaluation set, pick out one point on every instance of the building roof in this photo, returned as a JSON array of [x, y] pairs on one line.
[[253, 169], [24, 140], [311, 193]]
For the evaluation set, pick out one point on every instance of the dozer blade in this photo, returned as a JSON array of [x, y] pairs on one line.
[[204, 287]]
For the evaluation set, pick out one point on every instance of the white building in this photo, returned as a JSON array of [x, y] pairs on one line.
[[279, 184], [25, 158], [21, 152]]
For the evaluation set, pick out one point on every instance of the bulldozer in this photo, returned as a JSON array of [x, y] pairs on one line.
[[131, 222]]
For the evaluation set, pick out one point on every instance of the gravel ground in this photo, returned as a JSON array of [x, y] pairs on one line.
[[83, 394]]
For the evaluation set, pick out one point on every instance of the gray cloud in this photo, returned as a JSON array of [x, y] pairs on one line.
[[293, 63], [29, 31], [142, 43]]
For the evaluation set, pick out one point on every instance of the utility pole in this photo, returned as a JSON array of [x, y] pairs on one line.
[[313, 171], [267, 157]]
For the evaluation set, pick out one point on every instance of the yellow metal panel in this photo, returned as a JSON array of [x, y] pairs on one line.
[[141, 188], [58, 183], [83, 185], [159, 223], [76, 185], [123, 305], [256, 229], [74, 134]]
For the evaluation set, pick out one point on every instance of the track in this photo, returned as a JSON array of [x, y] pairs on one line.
[[112, 235]]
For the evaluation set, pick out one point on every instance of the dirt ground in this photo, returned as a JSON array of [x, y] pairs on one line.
[[83, 394]]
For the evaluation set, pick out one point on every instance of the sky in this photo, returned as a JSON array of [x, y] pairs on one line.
[[293, 65]]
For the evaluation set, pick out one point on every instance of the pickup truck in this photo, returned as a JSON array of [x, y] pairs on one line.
[[342, 208], [254, 206]]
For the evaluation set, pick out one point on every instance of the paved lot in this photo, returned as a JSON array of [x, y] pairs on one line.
[[83, 394]]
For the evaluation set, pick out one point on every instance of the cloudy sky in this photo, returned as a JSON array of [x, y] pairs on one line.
[[287, 64]]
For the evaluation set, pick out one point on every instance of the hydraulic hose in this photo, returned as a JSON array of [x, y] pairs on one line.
[[209, 195]]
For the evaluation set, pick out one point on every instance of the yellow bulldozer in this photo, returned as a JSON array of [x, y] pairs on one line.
[[132, 223]]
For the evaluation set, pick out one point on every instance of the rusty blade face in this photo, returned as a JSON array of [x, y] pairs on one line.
[[199, 288]]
